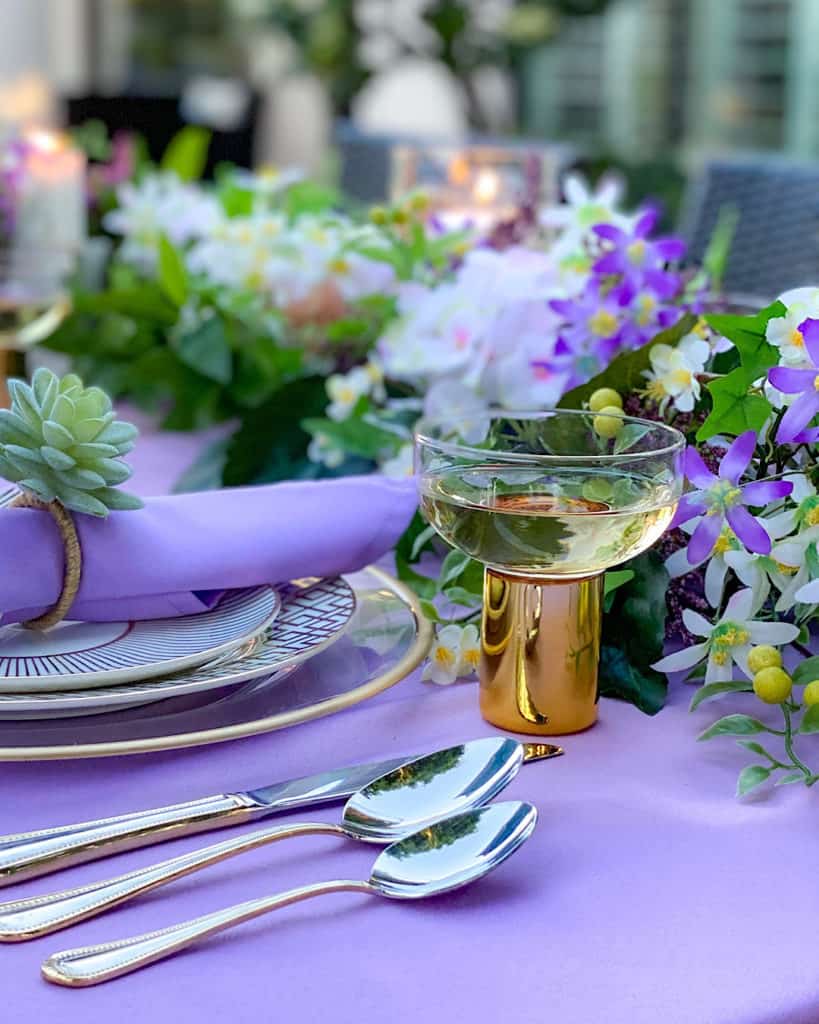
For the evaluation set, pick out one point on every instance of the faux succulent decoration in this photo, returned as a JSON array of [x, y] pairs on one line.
[[61, 441]]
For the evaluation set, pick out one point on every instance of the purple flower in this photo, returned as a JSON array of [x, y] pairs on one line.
[[803, 382], [722, 497], [591, 334], [639, 261]]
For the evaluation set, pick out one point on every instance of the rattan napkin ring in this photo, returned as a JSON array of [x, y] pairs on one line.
[[72, 574]]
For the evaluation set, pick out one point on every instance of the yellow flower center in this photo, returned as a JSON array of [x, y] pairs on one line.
[[444, 656], [656, 389], [725, 542], [812, 518], [339, 265], [636, 252], [646, 305], [682, 377], [603, 323], [796, 338], [472, 656], [786, 570], [816, 382], [719, 657]]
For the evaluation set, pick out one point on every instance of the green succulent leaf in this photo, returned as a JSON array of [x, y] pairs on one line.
[[61, 442]]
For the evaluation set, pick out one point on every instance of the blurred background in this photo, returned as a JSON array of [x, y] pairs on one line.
[[656, 88]]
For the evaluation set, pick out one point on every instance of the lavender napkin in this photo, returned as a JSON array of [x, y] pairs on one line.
[[174, 556]]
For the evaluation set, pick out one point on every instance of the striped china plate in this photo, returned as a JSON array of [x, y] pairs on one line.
[[85, 655], [314, 613]]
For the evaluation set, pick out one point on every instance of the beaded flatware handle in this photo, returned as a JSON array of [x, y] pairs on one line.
[[93, 965]]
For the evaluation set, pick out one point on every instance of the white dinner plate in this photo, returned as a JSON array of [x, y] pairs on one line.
[[84, 655], [313, 615]]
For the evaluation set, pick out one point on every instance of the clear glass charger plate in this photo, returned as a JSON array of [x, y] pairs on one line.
[[386, 639]]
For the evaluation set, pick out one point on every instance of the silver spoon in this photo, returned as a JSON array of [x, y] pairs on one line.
[[431, 787], [451, 853]]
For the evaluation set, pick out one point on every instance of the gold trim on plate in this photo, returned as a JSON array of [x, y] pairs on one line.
[[410, 661]]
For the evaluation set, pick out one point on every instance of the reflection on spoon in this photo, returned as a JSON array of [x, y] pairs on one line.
[[438, 858]]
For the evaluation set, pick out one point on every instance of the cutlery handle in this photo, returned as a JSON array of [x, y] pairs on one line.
[[30, 854], [40, 915], [92, 965]]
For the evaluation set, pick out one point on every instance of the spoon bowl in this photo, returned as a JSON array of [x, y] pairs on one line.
[[452, 852], [431, 787]]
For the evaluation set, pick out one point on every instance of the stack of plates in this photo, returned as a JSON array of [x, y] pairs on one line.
[[91, 668]]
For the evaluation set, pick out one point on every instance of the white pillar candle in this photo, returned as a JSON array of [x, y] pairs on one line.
[[51, 211]]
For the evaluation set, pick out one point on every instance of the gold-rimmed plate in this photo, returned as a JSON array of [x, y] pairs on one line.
[[387, 637]]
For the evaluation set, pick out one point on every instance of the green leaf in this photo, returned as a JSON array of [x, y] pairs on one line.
[[452, 567], [754, 748], [422, 541], [711, 690], [748, 335], [173, 276], [810, 720], [611, 581], [734, 725], [423, 586], [464, 597], [206, 350], [236, 201], [751, 777], [790, 778], [408, 543], [715, 258], [354, 435], [806, 671], [735, 409], [635, 620], [309, 197], [625, 373], [617, 677], [429, 610], [187, 153]]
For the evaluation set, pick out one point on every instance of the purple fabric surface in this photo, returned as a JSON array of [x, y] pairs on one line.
[[646, 894], [164, 559]]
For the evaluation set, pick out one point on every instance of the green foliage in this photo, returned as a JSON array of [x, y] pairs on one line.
[[712, 690], [625, 373], [355, 435], [633, 634], [734, 725], [751, 776], [309, 197], [737, 405], [62, 442], [173, 276], [187, 153], [806, 671]]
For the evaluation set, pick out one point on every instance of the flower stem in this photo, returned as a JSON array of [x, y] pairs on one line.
[[797, 763]]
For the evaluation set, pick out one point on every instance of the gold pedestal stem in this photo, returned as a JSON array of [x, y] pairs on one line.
[[540, 645]]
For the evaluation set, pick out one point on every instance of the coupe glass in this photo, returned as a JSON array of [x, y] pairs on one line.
[[547, 502]]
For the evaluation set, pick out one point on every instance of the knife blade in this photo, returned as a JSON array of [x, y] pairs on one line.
[[30, 854]]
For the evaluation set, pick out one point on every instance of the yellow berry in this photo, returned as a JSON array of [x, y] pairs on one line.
[[419, 202], [772, 685], [603, 397], [764, 656], [609, 422], [399, 216], [811, 694], [378, 215]]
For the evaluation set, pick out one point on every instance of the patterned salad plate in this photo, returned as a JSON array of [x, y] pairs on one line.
[[83, 655], [313, 615]]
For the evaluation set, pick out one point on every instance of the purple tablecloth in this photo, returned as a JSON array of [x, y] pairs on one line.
[[647, 893]]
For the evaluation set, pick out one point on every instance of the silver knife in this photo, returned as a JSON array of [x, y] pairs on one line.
[[30, 854]]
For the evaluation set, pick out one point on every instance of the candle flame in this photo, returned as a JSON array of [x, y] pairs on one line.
[[45, 141], [458, 170], [487, 186]]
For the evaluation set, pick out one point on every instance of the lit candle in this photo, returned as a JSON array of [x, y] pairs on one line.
[[51, 204], [479, 209]]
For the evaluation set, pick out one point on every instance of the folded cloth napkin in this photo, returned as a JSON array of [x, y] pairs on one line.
[[176, 555]]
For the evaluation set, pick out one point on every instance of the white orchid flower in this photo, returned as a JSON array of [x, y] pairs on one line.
[[455, 653], [344, 391], [673, 374], [728, 640]]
